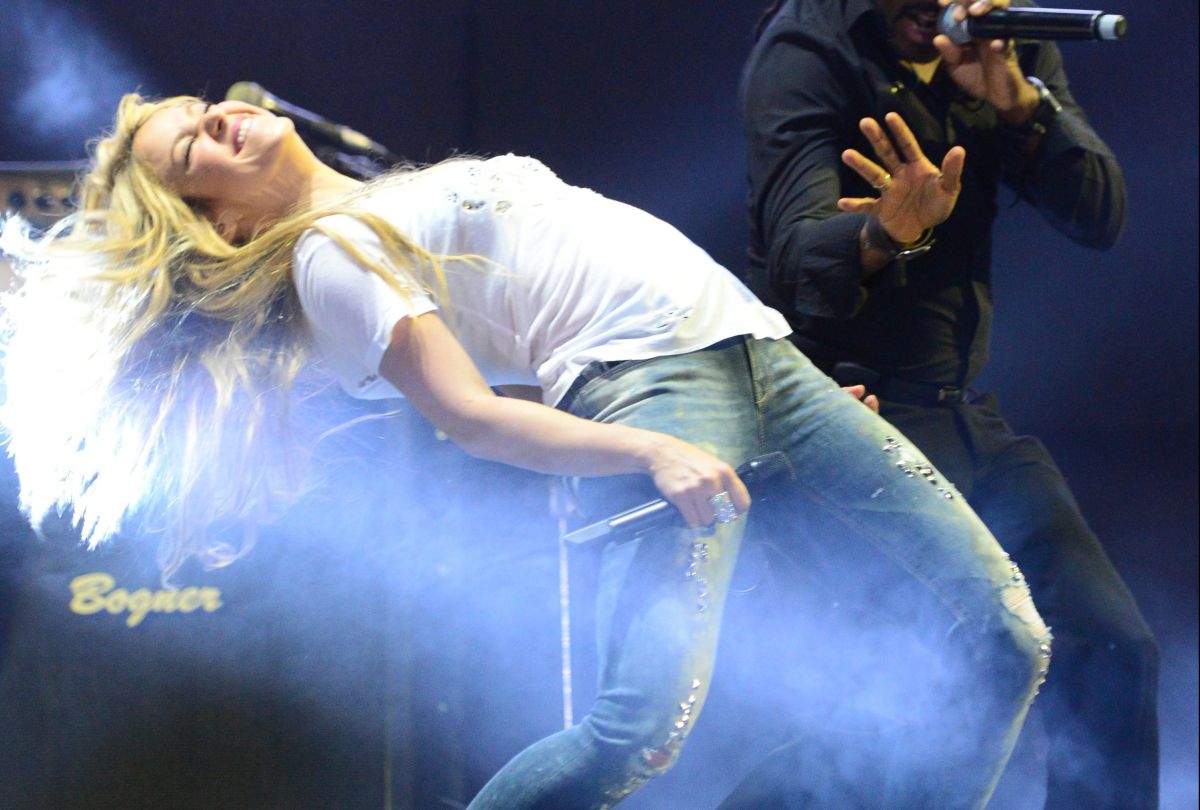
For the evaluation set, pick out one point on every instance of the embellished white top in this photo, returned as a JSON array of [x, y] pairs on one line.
[[561, 277]]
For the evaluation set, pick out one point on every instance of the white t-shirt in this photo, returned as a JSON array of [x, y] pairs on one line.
[[564, 277]]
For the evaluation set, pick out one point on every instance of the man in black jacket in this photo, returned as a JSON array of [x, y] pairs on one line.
[[876, 150]]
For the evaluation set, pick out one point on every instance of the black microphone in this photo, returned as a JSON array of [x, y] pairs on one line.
[[756, 474], [1032, 23], [342, 136]]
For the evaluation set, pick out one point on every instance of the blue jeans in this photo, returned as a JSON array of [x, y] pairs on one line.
[[1100, 703], [661, 596]]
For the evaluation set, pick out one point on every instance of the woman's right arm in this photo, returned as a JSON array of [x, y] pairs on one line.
[[426, 363]]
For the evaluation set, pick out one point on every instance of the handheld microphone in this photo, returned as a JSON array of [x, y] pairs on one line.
[[1032, 23], [343, 137], [756, 474]]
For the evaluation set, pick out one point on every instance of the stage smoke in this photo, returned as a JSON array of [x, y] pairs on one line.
[[67, 79]]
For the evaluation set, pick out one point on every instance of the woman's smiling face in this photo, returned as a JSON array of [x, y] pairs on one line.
[[238, 163]]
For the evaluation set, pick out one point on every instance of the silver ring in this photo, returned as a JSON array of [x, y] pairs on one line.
[[723, 508]]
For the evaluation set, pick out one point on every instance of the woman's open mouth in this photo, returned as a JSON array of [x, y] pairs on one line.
[[243, 129]]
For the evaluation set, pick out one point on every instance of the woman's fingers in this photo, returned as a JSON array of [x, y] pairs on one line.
[[702, 487], [696, 511], [724, 505], [738, 494]]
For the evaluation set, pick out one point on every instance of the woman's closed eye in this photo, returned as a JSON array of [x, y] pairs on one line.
[[187, 151]]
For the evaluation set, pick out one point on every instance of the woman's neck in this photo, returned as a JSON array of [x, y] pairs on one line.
[[326, 186]]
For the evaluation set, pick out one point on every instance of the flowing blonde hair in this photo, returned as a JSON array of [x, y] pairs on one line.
[[149, 363]]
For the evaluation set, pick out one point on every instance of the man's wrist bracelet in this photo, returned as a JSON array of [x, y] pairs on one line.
[[1048, 108], [879, 239]]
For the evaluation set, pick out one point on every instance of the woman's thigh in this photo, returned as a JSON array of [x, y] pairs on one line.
[[858, 475], [661, 595]]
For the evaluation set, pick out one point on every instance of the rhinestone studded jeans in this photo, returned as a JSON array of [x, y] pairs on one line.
[[661, 596]]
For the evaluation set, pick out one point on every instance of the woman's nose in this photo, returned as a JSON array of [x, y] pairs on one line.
[[213, 120]]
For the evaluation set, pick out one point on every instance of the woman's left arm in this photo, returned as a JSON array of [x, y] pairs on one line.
[[426, 363]]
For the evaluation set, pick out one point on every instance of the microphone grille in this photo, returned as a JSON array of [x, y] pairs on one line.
[[956, 30], [247, 92]]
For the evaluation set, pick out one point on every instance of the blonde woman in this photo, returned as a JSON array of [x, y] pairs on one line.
[[214, 255]]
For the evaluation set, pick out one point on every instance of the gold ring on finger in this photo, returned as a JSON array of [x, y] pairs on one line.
[[884, 184]]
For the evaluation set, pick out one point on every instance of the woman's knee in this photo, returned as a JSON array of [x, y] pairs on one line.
[[1028, 640], [645, 740]]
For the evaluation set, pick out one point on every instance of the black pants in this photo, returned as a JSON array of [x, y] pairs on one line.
[[1099, 701]]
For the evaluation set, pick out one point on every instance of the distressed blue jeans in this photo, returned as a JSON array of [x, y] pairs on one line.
[[661, 596]]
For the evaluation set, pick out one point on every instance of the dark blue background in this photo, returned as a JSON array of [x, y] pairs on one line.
[[1094, 352]]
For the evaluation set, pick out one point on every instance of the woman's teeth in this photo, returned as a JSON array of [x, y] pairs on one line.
[[242, 131]]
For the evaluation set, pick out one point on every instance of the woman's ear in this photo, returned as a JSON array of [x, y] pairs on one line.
[[225, 224]]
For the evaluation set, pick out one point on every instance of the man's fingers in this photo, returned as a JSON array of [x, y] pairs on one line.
[[859, 162], [952, 169], [973, 7], [858, 205], [880, 143], [953, 54], [867, 169], [905, 138], [859, 392], [984, 6]]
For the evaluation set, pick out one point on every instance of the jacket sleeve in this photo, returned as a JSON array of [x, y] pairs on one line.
[[791, 100], [1073, 178]]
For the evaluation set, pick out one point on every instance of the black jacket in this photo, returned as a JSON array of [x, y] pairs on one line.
[[819, 67]]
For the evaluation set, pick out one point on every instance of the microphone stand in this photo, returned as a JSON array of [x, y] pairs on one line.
[[360, 167]]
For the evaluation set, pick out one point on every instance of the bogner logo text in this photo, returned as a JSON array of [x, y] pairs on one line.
[[92, 593]]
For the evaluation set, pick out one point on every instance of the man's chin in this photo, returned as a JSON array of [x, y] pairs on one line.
[[918, 54]]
